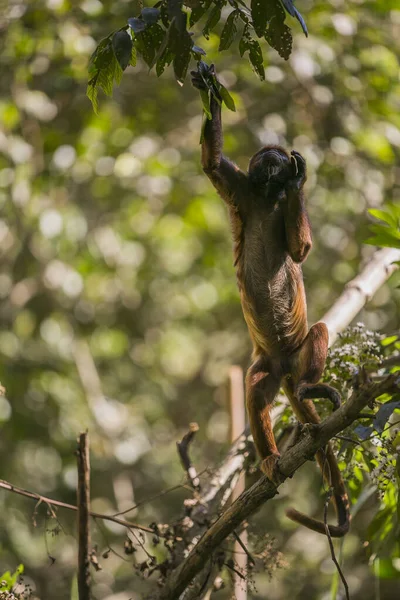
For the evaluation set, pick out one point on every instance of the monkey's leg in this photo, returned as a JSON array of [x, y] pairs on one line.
[[261, 389], [309, 365]]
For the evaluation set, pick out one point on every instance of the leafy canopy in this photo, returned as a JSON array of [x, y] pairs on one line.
[[164, 34]]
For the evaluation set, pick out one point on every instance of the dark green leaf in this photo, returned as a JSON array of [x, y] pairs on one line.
[[278, 34], [256, 58], [137, 25], [198, 12], [229, 31], [150, 15], [260, 10], [122, 46], [182, 58], [212, 21], [244, 43], [384, 413], [165, 59], [148, 42], [174, 8], [227, 98], [101, 56]]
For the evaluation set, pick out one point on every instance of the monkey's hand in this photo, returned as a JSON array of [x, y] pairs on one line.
[[205, 79], [297, 172], [198, 81]]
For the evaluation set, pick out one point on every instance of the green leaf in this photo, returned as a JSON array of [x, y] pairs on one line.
[[212, 21], [133, 59], [386, 240], [198, 12], [105, 71], [278, 34], [229, 31], [385, 216], [122, 46], [148, 42], [260, 10], [205, 98], [256, 59], [182, 58], [165, 59], [227, 98]]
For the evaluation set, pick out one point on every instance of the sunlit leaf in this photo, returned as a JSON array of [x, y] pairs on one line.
[[227, 98]]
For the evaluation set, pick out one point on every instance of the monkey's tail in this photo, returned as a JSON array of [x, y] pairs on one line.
[[306, 413]]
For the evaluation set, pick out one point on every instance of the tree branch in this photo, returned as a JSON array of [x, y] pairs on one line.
[[313, 438], [6, 485], [359, 290], [183, 451], [83, 497]]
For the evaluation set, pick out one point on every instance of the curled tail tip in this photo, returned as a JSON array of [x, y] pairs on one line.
[[335, 531]]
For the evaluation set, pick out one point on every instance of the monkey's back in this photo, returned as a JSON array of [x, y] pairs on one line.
[[270, 283]]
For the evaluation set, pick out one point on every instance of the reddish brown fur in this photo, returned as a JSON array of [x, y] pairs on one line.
[[272, 237]]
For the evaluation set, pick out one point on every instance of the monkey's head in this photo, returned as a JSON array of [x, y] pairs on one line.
[[271, 162]]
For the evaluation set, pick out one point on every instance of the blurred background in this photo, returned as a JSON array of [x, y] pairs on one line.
[[119, 308]]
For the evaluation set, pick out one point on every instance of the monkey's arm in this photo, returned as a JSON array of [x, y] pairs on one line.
[[297, 225], [230, 182]]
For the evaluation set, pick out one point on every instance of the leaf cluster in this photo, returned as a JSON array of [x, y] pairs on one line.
[[161, 35], [368, 451], [387, 231]]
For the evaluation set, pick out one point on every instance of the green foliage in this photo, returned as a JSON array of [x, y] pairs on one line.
[[387, 232], [370, 450], [160, 36], [8, 580], [105, 68]]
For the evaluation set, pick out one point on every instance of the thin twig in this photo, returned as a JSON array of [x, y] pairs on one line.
[[83, 501], [5, 485], [151, 498], [243, 547], [183, 450], [238, 423], [332, 549]]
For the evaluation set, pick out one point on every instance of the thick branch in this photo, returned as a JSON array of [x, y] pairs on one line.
[[361, 289], [314, 437], [83, 497]]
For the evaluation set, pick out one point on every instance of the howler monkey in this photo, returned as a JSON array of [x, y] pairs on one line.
[[272, 237]]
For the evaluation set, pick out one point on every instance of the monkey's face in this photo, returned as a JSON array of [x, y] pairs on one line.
[[269, 163]]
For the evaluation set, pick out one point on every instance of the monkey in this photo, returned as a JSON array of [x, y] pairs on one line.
[[271, 239]]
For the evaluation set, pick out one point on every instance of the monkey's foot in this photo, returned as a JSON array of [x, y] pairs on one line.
[[270, 467]]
